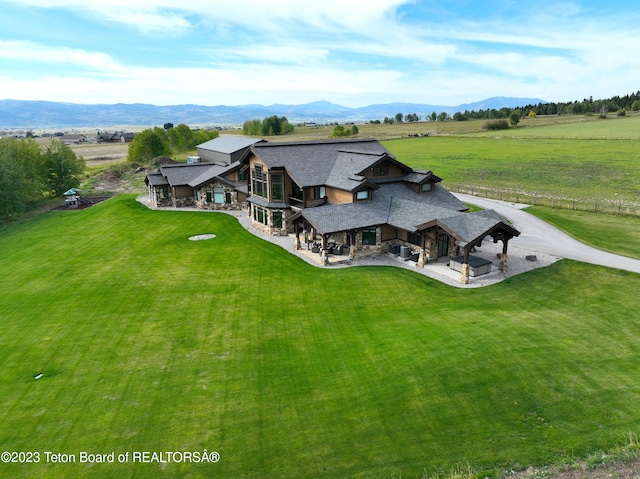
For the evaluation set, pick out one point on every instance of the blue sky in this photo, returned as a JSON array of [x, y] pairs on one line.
[[350, 52]]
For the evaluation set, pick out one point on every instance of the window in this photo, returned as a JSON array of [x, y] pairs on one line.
[[276, 187], [277, 219], [382, 170], [260, 215], [413, 238], [362, 195], [319, 192], [428, 186], [218, 195], [242, 175], [259, 185], [369, 236]]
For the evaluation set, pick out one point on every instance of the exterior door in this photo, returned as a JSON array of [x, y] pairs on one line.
[[443, 245]]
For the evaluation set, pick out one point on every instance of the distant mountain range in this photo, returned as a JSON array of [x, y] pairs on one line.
[[19, 114]]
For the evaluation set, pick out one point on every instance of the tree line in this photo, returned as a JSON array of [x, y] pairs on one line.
[[30, 173], [166, 141], [270, 126], [615, 104]]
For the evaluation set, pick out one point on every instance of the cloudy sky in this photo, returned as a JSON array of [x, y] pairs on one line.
[[350, 52]]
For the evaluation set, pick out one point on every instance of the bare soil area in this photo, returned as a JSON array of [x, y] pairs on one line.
[[95, 200], [616, 470]]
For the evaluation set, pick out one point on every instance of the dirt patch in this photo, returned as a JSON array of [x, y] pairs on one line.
[[616, 470], [81, 206]]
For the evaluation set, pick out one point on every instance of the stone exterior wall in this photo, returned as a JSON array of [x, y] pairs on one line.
[[269, 229], [364, 250], [158, 198], [183, 202], [202, 202]]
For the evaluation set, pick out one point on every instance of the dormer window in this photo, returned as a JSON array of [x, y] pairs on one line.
[[381, 170], [362, 195], [426, 187]]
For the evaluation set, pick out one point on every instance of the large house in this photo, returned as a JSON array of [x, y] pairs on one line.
[[351, 195]]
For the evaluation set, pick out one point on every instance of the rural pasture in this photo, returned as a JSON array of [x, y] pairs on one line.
[[121, 335]]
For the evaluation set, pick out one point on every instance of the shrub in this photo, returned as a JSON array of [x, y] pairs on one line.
[[500, 124]]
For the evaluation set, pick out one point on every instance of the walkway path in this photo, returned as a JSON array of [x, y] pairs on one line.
[[538, 235], [537, 238]]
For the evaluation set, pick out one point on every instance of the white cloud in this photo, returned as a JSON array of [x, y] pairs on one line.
[[22, 51], [355, 52]]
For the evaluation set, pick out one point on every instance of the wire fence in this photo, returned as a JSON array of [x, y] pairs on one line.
[[598, 205]]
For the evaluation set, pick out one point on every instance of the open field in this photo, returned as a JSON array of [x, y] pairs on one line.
[[603, 170], [612, 128], [99, 154], [150, 342]]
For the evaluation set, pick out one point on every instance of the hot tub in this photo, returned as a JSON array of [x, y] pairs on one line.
[[477, 266]]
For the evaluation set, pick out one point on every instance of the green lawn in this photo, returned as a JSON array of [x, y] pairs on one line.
[[150, 342]]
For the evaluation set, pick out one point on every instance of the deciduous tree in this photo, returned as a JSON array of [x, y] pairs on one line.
[[148, 145], [61, 167]]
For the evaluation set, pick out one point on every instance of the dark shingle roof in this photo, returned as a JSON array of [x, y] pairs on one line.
[[178, 175], [332, 218], [155, 178], [211, 173], [311, 163]]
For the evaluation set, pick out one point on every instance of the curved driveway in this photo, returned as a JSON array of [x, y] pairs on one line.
[[538, 235]]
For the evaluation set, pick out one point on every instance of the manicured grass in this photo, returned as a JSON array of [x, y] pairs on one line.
[[618, 234], [581, 169], [150, 342]]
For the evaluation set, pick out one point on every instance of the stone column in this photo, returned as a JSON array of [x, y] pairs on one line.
[[421, 258], [324, 258], [431, 247], [503, 262], [464, 274], [503, 257]]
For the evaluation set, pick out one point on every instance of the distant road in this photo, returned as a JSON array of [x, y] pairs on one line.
[[538, 235]]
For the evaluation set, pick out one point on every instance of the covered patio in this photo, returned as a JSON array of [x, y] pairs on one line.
[[330, 240]]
